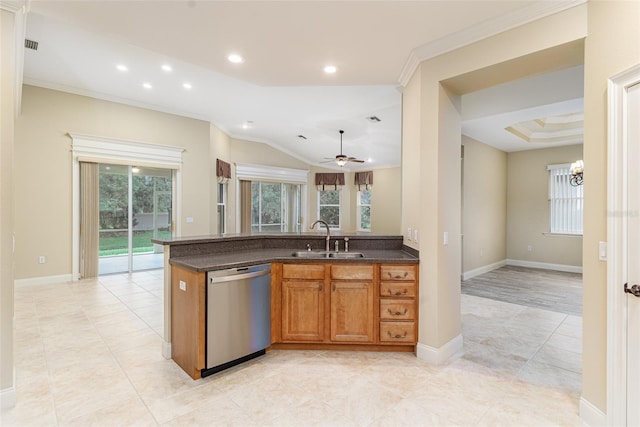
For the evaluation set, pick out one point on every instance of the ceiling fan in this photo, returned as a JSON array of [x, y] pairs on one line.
[[342, 159]]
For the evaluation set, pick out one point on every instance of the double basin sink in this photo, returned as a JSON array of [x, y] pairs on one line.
[[325, 254]]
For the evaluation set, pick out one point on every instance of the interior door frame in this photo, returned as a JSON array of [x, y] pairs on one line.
[[617, 185]]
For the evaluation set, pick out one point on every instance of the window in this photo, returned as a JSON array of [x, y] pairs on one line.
[[364, 210], [275, 207], [222, 208], [329, 207], [565, 202]]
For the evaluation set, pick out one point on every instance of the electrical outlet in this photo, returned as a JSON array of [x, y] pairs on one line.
[[415, 235], [189, 220], [529, 248], [41, 259], [183, 285], [445, 238], [409, 233]]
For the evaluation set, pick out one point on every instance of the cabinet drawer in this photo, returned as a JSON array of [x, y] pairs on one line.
[[394, 309], [302, 271], [395, 289], [355, 272], [397, 272], [402, 332]]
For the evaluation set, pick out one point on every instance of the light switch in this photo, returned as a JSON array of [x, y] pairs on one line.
[[445, 239], [415, 235], [602, 251], [409, 233], [183, 285]]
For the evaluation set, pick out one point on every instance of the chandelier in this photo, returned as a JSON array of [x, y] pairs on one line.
[[577, 169]]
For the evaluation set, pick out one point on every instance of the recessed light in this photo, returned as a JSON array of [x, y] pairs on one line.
[[122, 67], [235, 58], [187, 85], [330, 69], [167, 68], [369, 160], [247, 125], [147, 85]]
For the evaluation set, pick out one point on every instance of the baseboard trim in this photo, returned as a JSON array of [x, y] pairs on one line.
[[545, 266], [45, 280], [482, 270], [591, 415], [438, 356], [166, 350], [7, 398]]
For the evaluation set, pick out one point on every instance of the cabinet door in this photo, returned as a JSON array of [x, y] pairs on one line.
[[352, 311], [302, 310]]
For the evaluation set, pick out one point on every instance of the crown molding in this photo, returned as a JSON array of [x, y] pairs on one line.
[[13, 6], [483, 30]]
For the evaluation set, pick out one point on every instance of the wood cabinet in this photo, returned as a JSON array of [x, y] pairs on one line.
[[188, 319], [352, 308], [325, 304], [398, 307], [303, 302]]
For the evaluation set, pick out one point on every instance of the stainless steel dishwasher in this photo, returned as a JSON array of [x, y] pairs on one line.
[[238, 316]]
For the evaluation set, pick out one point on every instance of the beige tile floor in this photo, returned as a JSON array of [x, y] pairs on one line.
[[88, 353]]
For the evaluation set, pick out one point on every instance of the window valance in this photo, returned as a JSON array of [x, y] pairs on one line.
[[223, 171], [364, 180], [329, 181]]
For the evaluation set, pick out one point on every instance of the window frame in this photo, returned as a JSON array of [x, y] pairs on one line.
[[561, 197], [359, 206], [222, 201], [339, 205]]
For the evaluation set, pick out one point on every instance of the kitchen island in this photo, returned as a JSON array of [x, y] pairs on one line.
[[361, 299]]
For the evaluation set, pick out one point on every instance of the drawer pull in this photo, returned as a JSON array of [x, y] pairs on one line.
[[406, 273], [397, 313], [398, 336], [398, 293]]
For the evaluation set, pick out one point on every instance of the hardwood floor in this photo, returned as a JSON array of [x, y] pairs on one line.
[[550, 290]]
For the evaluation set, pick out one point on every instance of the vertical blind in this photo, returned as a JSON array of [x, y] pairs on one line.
[[565, 201]]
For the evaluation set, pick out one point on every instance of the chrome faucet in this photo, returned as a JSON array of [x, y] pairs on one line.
[[328, 238]]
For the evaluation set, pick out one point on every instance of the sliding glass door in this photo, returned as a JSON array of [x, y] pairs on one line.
[[135, 206]]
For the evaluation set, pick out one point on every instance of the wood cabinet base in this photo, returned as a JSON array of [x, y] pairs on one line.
[[343, 347]]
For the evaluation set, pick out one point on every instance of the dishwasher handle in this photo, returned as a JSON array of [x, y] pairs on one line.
[[234, 277]]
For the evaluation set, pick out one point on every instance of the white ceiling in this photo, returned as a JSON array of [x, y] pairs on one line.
[[280, 87]]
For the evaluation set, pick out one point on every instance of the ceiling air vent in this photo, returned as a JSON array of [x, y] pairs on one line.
[[30, 44], [374, 119]]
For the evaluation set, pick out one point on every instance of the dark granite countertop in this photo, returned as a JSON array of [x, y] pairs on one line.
[[217, 252], [220, 261]]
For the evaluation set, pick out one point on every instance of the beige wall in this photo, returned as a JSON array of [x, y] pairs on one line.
[[43, 167], [612, 46], [484, 205], [528, 208], [386, 201], [7, 113], [430, 119]]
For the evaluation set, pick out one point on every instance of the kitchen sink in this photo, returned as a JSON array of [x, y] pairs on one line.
[[325, 254], [311, 254], [346, 255]]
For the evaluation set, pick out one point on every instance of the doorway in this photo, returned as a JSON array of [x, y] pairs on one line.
[[135, 207]]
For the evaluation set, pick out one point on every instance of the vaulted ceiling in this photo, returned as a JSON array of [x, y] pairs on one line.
[[280, 90]]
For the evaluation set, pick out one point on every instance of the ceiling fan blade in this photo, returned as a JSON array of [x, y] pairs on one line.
[[355, 160]]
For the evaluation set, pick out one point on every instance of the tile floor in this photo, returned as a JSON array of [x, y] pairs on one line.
[[88, 353]]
